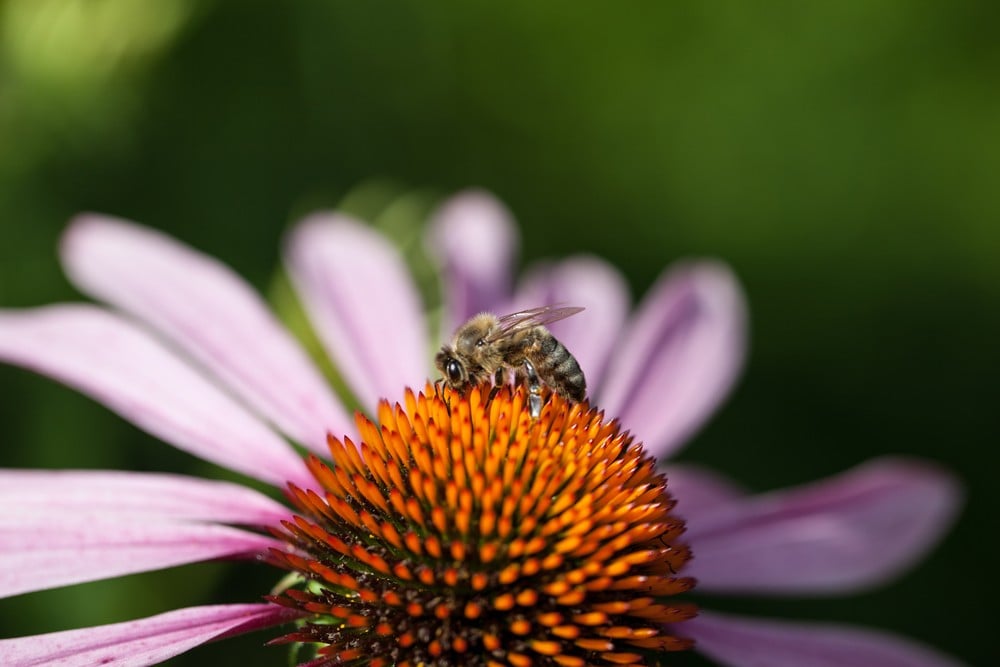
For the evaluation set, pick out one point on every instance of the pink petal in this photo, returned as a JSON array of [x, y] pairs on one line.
[[126, 369], [42, 494], [361, 299], [700, 491], [475, 240], [735, 641], [212, 314], [38, 552], [679, 357], [837, 536], [147, 641], [581, 281]]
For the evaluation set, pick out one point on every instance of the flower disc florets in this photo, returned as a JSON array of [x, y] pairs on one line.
[[463, 532]]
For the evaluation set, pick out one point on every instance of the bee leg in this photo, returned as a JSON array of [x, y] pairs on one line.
[[498, 382], [534, 390]]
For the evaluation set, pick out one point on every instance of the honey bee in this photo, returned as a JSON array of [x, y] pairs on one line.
[[489, 346]]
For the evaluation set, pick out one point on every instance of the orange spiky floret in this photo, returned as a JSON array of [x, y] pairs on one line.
[[461, 531]]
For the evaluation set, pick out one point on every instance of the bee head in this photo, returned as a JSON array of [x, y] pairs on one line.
[[451, 368]]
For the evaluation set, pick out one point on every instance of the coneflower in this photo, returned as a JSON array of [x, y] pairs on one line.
[[460, 531], [190, 353]]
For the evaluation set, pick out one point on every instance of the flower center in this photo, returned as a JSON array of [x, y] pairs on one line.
[[461, 531]]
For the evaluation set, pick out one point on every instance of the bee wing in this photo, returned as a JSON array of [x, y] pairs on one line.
[[509, 325]]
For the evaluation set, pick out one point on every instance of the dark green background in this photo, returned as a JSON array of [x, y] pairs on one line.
[[842, 157]]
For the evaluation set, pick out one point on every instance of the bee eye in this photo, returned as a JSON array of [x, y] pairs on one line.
[[480, 342], [453, 370]]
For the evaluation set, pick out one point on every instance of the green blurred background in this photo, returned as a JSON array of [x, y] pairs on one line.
[[843, 157]]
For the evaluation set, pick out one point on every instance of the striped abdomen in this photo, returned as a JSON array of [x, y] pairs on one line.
[[556, 366]]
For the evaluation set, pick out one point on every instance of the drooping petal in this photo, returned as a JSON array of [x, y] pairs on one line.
[[581, 281], [679, 357], [212, 314], [39, 552], [474, 239], [43, 494], [700, 491], [362, 301], [147, 641], [837, 536], [126, 369], [736, 641]]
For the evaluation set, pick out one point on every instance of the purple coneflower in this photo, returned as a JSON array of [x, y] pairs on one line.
[[456, 529]]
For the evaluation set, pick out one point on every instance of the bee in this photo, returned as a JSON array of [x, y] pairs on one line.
[[489, 346]]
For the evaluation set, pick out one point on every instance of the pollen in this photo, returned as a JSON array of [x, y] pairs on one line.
[[461, 530]]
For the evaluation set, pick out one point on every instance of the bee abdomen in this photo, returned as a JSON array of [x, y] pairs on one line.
[[560, 370]]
